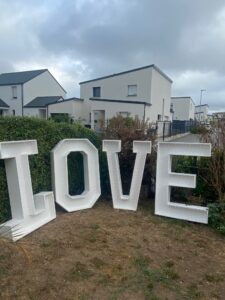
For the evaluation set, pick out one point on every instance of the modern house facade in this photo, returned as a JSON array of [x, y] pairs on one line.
[[27, 93], [183, 108], [201, 112], [143, 92]]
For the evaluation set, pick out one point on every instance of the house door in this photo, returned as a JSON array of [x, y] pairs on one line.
[[99, 119]]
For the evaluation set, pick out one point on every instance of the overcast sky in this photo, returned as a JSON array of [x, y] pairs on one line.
[[82, 39]]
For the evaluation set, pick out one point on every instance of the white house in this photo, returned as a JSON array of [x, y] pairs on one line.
[[28, 93], [183, 108], [71, 107], [218, 115], [201, 112], [144, 92]]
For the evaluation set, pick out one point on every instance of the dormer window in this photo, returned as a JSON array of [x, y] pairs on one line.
[[97, 91], [132, 90], [14, 92]]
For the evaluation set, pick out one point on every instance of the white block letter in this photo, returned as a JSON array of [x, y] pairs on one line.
[[29, 211], [60, 174], [165, 179], [112, 147]]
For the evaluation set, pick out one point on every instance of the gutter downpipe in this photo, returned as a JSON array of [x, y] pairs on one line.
[[144, 111], [22, 99]]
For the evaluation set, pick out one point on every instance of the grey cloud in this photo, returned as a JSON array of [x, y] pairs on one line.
[[86, 38]]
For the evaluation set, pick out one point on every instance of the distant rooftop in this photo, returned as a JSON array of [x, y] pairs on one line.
[[67, 100], [43, 101], [19, 77], [181, 97], [202, 105], [129, 71]]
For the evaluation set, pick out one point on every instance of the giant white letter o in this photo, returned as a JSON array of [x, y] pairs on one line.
[[92, 189]]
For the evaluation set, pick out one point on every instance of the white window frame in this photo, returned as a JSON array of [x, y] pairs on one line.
[[132, 90], [14, 92]]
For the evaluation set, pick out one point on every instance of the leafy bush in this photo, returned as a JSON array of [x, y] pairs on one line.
[[203, 193], [47, 134], [217, 216], [216, 164], [199, 129], [127, 130], [61, 118]]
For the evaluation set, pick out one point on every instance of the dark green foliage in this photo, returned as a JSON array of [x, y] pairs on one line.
[[199, 129], [204, 193], [47, 134], [61, 118], [217, 216]]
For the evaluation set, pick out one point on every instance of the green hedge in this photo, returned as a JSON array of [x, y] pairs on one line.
[[48, 134]]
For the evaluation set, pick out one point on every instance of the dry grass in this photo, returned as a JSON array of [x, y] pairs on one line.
[[103, 253]]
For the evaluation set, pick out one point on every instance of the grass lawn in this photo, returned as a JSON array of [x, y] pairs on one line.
[[102, 253]]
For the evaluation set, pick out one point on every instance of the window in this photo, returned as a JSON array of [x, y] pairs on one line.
[[159, 118], [14, 92], [13, 112], [97, 91], [132, 90]]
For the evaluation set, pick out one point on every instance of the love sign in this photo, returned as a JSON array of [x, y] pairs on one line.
[[30, 212]]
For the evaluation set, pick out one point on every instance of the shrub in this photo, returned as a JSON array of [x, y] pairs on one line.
[[215, 176], [47, 134], [61, 118], [127, 130], [217, 216], [199, 129]]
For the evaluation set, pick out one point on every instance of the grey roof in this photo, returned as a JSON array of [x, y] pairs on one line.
[[129, 71], [181, 97], [3, 104], [67, 100], [43, 101], [202, 105], [120, 101], [19, 77]]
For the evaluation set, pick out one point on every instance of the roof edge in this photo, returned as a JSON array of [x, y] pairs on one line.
[[129, 71], [66, 100], [120, 101], [181, 97]]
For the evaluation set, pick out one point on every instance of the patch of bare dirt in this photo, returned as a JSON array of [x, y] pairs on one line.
[[102, 253]]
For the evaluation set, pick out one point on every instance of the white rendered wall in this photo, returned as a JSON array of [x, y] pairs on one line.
[[31, 112], [116, 88], [184, 108], [42, 85], [15, 104], [73, 108], [34, 112], [112, 109], [201, 112], [160, 89], [152, 87]]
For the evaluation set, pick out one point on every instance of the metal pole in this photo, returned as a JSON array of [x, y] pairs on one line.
[[201, 91]]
